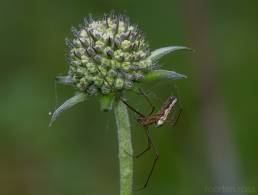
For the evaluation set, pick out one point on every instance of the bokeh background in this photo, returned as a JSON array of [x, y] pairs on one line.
[[213, 148]]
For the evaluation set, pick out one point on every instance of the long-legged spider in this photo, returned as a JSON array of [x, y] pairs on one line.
[[158, 119]]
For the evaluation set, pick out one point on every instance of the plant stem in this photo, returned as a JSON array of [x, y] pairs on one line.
[[125, 148]]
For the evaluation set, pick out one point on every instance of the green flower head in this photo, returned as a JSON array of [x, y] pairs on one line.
[[107, 56]]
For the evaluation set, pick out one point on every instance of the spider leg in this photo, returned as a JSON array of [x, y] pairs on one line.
[[146, 149], [156, 157], [132, 108], [177, 118], [148, 100], [174, 122], [141, 153]]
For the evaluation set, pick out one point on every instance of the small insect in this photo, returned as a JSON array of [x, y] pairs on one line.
[[157, 119]]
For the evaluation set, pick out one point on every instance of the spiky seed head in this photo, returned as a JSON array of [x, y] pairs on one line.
[[107, 55]]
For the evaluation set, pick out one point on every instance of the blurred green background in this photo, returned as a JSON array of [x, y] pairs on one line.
[[212, 148]]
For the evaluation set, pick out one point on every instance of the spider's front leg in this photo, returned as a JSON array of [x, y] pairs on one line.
[[174, 121], [148, 100]]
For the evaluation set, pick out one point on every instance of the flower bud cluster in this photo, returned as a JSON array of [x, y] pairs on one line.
[[107, 55]]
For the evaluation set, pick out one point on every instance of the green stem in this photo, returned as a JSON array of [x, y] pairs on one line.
[[125, 148]]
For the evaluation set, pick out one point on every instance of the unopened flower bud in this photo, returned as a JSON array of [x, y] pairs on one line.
[[102, 47]]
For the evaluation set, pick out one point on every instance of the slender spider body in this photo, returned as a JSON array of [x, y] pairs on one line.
[[160, 117], [149, 120]]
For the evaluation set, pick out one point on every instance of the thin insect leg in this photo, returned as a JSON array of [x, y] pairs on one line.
[[140, 154], [156, 154], [131, 108], [56, 95], [177, 118], [148, 100], [180, 106], [174, 122], [146, 149], [143, 152]]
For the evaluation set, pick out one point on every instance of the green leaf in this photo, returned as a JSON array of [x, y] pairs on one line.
[[159, 53], [106, 102], [163, 74], [79, 97], [66, 80]]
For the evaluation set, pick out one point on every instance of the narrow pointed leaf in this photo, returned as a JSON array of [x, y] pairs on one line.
[[80, 97], [159, 53], [163, 74], [66, 80]]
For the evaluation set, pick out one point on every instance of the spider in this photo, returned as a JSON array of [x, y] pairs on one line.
[[157, 119]]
